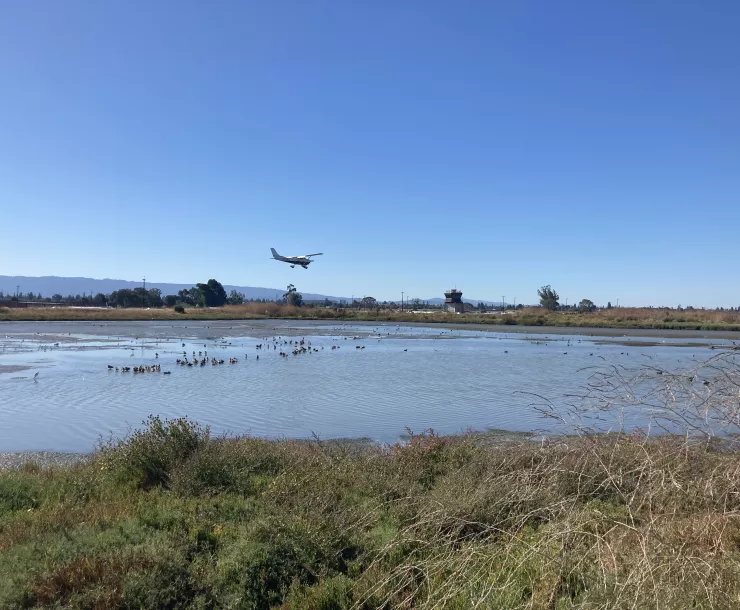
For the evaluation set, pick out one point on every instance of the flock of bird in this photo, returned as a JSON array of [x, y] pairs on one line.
[[144, 368], [201, 358]]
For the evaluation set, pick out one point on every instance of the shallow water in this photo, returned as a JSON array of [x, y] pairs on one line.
[[405, 377]]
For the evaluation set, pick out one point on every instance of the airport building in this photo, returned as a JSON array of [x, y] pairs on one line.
[[453, 301]]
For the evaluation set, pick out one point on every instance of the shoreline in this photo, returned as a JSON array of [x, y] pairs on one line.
[[204, 328], [13, 460], [626, 318], [48, 458], [493, 438]]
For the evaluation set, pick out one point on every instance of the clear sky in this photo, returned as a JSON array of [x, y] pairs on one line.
[[419, 144]]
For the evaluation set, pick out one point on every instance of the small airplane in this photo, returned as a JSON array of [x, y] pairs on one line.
[[304, 261]]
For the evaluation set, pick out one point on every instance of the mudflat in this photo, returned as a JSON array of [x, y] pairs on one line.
[[209, 329]]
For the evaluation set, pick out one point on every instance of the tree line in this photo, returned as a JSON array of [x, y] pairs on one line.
[[550, 300], [208, 294], [213, 294]]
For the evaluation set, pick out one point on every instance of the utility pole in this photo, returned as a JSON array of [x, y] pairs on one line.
[[143, 294], [503, 303], [17, 290], [617, 302], [514, 303], [402, 300]]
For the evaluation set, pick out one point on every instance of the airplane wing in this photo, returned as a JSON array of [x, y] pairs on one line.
[[310, 255]]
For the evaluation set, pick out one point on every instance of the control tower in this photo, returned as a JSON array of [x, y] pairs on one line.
[[453, 301]]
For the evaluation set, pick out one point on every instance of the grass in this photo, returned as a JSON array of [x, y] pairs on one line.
[[639, 318], [172, 517]]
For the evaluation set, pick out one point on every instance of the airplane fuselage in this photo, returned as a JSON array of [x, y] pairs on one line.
[[302, 261], [293, 261]]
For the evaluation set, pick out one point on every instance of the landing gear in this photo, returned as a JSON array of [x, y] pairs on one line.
[[292, 266]]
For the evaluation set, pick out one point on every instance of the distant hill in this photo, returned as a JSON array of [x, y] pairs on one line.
[[50, 285]]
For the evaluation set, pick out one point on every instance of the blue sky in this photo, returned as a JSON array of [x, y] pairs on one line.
[[496, 146]]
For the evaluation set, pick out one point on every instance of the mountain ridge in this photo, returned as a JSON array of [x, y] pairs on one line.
[[47, 285]]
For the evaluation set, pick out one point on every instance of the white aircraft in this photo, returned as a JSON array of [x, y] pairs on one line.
[[304, 261]]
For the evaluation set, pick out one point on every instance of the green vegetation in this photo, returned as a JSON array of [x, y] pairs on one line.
[[209, 301], [548, 298], [586, 305], [292, 297], [213, 293], [174, 518], [235, 298]]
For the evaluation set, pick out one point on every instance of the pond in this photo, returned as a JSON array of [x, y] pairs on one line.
[[348, 381]]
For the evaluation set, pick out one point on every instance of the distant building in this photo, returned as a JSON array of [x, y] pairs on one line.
[[453, 301]]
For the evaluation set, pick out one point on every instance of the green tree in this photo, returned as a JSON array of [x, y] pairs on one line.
[[57, 298], [235, 298], [369, 302], [196, 296], [100, 300], [154, 297], [118, 298], [141, 298], [548, 298], [212, 293], [292, 296], [586, 305], [171, 300]]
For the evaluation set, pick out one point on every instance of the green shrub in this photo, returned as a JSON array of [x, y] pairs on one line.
[[18, 493], [149, 455], [331, 594], [225, 465], [259, 575], [179, 308]]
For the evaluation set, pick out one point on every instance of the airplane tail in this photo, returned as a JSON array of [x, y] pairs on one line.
[[274, 253]]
